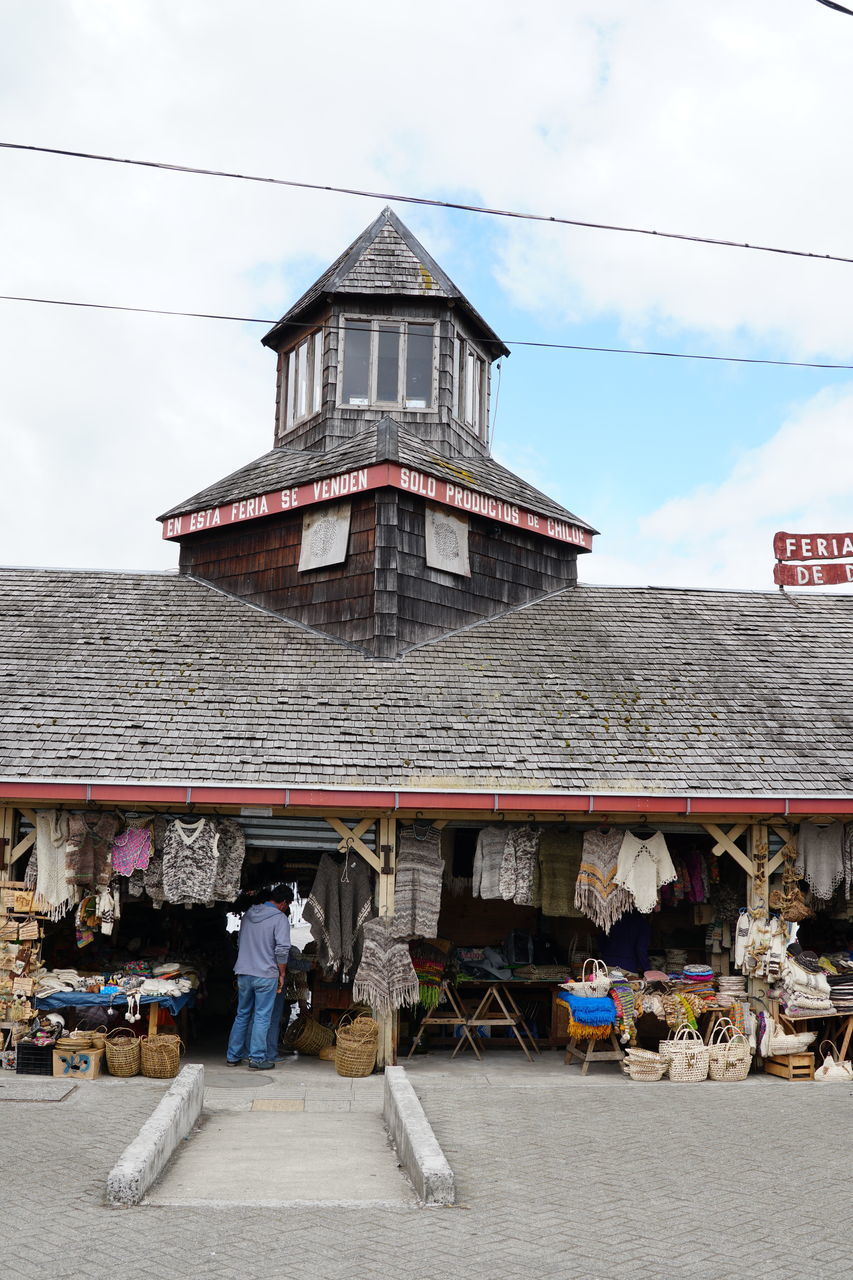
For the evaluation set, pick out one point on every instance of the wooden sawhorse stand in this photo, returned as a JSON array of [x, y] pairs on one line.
[[455, 1017], [591, 1054], [498, 1009]]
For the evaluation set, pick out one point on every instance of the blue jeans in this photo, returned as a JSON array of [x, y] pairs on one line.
[[255, 1000], [280, 1008]]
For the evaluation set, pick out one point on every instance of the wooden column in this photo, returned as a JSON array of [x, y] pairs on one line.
[[387, 849], [7, 839], [758, 890]]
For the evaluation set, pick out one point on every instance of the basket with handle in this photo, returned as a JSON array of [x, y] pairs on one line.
[[688, 1057], [594, 980], [833, 1067], [123, 1053], [357, 1043], [160, 1056], [729, 1057], [99, 1037], [643, 1064]]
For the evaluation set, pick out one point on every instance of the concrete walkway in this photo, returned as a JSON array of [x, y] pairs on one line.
[[557, 1178]]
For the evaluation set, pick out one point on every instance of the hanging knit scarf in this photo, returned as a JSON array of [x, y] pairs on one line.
[[417, 891], [55, 894], [622, 995], [386, 979], [597, 894]]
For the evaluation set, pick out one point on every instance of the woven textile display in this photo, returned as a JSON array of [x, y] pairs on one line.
[[597, 894], [417, 893], [429, 964], [557, 871]]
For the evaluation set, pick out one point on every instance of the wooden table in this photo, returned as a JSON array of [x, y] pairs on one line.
[[844, 1030]]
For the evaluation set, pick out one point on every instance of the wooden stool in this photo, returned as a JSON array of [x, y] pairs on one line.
[[591, 1054]]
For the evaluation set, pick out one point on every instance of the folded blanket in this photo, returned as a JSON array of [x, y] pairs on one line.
[[592, 1011]]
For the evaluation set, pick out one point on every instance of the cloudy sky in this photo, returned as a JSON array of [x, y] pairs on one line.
[[727, 119]]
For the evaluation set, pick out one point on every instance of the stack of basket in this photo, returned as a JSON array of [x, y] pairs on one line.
[[643, 1064], [357, 1043]]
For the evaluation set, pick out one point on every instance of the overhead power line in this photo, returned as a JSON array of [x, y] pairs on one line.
[[508, 342], [431, 203], [830, 4]]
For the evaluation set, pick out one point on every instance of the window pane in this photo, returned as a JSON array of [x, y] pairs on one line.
[[460, 378], [388, 364], [470, 374], [318, 371], [291, 386], [356, 363], [301, 380], [478, 383], [419, 366]]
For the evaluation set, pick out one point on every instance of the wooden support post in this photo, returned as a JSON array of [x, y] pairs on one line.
[[7, 840], [758, 889], [387, 849]]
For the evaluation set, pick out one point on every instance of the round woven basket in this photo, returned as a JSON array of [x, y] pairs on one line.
[[122, 1048], [99, 1038], [161, 1056], [357, 1043], [78, 1040], [311, 1036], [327, 1053]]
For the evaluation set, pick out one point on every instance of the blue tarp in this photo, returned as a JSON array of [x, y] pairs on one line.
[[80, 999]]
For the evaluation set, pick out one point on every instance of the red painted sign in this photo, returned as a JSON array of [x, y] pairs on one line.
[[812, 575], [447, 492], [813, 546]]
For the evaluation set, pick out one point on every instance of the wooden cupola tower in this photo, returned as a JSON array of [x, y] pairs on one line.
[[380, 517]]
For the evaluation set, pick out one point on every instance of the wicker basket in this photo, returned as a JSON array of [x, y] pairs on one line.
[[309, 1036], [122, 1052], [357, 1043], [642, 1064], [327, 1053], [729, 1058], [99, 1038], [688, 1057], [78, 1040], [161, 1056], [596, 983]]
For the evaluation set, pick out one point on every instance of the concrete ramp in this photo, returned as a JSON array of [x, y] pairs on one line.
[[276, 1158]]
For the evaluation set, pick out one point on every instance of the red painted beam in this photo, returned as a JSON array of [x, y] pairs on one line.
[[272, 796], [121, 794], [46, 790]]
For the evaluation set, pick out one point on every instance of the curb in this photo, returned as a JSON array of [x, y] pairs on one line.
[[149, 1153], [417, 1146]]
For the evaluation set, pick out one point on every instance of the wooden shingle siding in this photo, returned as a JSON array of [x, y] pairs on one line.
[[260, 562]]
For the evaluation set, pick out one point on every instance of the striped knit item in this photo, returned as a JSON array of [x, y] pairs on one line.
[[597, 894]]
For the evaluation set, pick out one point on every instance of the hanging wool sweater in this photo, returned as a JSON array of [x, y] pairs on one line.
[[53, 888], [417, 889], [643, 866], [386, 977], [339, 905], [820, 857], [488, 857], [597, 893], [132, 848], [518, 865], [90, 841], [190, 853], [229, 864], [557, 872]]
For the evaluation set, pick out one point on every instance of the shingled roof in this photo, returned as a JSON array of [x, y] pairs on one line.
[[383, 441], [159, 677], [386, 260]]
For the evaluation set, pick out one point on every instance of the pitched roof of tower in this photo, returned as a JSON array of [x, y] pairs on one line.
[[386, 259], [382, 441]]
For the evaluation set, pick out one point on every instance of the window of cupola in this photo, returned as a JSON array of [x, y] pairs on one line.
[[301, 381], [471, 398], [388, 364]]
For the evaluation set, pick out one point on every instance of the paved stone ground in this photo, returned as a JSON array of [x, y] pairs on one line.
[[605, 1180]]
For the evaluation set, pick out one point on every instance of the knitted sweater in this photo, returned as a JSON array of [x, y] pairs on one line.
[[487, 862], [386, 977], [643, 866], [518, 865], [90, 839], [229, 863], [337, 909], [597, 893], [190, 854], [556, 873], [417, 891]]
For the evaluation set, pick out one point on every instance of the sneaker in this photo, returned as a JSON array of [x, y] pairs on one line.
[[238, 1063], [261, 1066]]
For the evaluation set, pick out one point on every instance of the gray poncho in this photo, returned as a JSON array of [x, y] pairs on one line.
[[339, 905]]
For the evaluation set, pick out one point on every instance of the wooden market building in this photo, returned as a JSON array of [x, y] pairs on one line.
[[376, 622]]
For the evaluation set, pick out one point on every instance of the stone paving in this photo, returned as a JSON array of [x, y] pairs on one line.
[[558, 1179]]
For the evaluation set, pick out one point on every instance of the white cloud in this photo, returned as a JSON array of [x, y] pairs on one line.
[[800, 480]]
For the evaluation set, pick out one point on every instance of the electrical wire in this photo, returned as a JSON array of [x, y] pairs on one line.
[[508, 342], [830, 4], [425, 200]]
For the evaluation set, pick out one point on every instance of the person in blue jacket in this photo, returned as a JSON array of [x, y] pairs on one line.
[[261, 969]]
